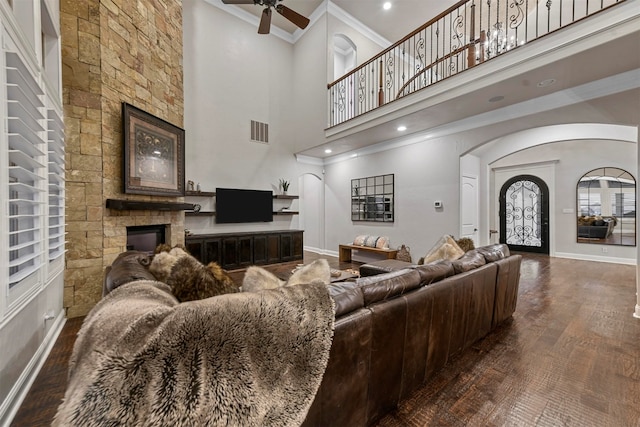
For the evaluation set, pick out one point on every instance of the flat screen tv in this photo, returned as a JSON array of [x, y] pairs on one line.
[[235, 206]]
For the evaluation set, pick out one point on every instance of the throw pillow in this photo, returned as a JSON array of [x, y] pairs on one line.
[[188, 278], [371, 241], [257, 278], [359, 240], [317, 271], [382, 242], [466, 244], [445, 248]]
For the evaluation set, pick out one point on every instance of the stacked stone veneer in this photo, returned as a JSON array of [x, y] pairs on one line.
[[113, 51]]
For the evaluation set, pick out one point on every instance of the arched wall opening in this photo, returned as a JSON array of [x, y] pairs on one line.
[[615, 145]]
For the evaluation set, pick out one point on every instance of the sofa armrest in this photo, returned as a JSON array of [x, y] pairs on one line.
[[127, 267]]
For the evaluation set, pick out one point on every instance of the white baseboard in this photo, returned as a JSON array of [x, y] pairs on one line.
[[321, 251], [583, 257], [19, 391], [637, 313]]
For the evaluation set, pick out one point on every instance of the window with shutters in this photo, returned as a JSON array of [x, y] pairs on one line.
[[32, 156], [27, 168]]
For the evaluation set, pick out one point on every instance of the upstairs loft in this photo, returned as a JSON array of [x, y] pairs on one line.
[[482, 56]]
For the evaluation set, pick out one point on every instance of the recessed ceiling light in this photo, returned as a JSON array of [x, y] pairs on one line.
[[328, 151], [402, 128], [386, 5], [496, 98], [547, 82]]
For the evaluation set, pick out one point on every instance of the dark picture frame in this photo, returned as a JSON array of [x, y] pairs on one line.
[[153, 154]]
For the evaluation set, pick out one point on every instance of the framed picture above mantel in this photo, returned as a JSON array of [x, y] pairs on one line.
[[153, 154]]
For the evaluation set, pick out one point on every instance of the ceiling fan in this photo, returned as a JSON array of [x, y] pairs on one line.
[[265, 20]]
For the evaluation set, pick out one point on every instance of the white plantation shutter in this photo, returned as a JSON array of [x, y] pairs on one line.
[[55, 140], [27, 169]]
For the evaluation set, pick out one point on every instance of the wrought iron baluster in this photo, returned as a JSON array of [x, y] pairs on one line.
[[407, 66]]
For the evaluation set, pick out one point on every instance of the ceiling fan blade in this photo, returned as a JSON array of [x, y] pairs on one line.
[[265, 21], [238, 1], [292, 16]]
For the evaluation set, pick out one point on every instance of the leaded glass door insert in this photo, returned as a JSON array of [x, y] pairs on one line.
[[524, 214]]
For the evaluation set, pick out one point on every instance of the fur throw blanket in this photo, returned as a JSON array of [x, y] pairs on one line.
[[242, 359]]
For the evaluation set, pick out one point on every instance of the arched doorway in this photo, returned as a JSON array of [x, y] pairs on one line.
[[524, 214], [344, 60]]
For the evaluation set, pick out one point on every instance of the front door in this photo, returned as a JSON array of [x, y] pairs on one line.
[[524, 214]]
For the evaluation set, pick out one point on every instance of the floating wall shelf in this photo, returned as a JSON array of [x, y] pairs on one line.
[[200, 193]]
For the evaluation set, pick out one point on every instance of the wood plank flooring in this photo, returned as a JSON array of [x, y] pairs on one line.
[[569, 357]]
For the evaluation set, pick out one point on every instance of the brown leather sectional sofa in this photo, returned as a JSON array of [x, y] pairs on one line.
[[398, 325], [395, 327]]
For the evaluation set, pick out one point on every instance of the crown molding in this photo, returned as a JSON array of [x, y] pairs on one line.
[[308, 160], [313, 18], [351, 21], [251, 19], [327, 6]]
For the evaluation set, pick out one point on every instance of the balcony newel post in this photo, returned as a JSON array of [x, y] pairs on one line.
[[471, 53], [380, 91]]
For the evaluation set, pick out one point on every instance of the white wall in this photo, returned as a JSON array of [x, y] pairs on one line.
[[310, 87], [233, 75], [423, 172]]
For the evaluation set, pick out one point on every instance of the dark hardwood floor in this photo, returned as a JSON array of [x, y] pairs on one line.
[[569, 357]]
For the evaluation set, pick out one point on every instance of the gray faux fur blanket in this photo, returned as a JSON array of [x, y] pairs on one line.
[[244, 359]]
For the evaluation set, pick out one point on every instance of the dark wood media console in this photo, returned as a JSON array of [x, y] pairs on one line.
[[239, 250]]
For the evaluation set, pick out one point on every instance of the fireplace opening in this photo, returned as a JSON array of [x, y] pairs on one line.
[[145, 237]]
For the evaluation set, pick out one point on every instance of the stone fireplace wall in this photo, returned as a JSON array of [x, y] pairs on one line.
[[113, 51]]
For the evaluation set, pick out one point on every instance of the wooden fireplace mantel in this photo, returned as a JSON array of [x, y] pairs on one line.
[[137, 205]]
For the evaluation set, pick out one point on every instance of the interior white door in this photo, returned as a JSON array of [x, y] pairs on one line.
[[469, 207]]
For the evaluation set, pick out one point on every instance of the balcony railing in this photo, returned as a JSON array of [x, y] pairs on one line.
[[465, 35]]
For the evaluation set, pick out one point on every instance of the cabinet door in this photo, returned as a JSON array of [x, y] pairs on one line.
[[230, 253], [291, 246], [212, 252], [237, 252], [286, 247], [297, 243], [260, 249], [273, 248], [245, 251], [195, 248]]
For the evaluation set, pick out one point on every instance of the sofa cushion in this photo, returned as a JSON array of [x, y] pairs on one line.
[[434, 272], [470, 260], [445, 248], [494, 252], [388, 285], [383, 266], [347, 297]]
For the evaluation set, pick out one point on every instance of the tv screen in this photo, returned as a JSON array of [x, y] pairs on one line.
[[234, 206]]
